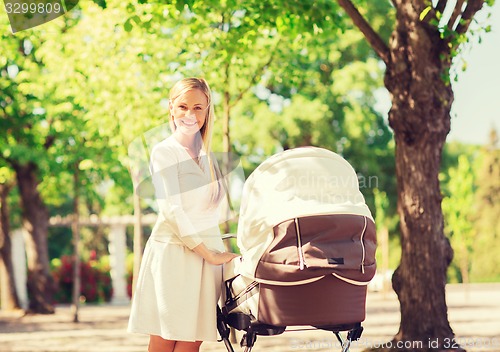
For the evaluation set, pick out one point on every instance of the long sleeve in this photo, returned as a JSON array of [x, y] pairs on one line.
[[165, 172]]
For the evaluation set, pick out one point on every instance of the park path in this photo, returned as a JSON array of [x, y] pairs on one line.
[[474, 313]]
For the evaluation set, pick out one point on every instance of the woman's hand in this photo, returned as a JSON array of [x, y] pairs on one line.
[[221, 258], [212, 257]]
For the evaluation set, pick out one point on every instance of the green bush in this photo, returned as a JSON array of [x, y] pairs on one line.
[[95, 284]]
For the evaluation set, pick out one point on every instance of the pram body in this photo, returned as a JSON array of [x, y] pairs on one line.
[[308, 245]]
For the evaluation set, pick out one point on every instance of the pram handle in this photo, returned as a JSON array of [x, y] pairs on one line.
[[225, 236]]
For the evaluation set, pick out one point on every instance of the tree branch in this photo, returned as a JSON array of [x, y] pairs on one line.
[[257, 74], [7, 159], [49, 140], [4, 111], [435, 12], [473, 6], [456, 12], [441, 5], [371, 36]]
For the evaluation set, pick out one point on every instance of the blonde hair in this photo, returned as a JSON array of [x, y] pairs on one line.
[[180, 88]]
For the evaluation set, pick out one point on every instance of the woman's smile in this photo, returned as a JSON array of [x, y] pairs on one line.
[[189, 122]]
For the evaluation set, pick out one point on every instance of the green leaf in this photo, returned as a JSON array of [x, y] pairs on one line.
[[86, 164], [425, 12], [179, 5], [128, 25]]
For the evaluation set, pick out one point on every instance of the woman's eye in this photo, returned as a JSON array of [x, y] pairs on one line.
[[198, 108]]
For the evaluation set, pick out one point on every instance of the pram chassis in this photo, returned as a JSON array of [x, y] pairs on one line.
[[242, 322]]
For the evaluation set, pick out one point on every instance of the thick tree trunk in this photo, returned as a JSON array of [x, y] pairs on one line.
[[420, 118], [10, 300], [35, 221], [417, 62]]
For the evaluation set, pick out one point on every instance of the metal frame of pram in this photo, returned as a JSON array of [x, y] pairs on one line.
[[242, 322]]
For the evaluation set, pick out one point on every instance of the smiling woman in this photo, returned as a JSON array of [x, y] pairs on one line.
[[180, 276], [189, 111]]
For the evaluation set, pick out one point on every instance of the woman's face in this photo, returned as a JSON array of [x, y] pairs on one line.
[[189, 111]]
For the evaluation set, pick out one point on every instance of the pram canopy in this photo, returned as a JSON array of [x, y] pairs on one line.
[[308, 195]]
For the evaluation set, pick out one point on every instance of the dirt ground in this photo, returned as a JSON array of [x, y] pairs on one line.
[[474, 314]]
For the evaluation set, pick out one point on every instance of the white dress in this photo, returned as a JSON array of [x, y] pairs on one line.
[[177, 291]]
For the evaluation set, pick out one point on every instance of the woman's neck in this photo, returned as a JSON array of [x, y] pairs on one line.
[[190, 142]]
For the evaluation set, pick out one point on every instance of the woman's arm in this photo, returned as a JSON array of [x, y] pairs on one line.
[[165, 173], [212, 257]]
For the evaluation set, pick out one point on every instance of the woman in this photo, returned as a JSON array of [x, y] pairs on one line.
[[180, 276]]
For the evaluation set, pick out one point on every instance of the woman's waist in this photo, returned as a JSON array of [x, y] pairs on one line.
[[162, 232], [203, 217], [199, 228], [213, 243], [199, 220]]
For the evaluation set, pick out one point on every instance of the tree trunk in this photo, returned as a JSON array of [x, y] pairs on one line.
[[418, 61], [226, 146], [420, 118], [75, 230], [10, 300], [138, 233], [226, 165], [465, 267], [35, 221]]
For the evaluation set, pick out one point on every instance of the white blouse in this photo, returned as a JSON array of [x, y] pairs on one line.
[[186, 214]]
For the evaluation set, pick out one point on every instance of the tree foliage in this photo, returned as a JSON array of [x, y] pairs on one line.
[[485, 266], [458, 209]]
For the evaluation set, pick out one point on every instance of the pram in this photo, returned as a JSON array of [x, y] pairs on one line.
[[307, 242]]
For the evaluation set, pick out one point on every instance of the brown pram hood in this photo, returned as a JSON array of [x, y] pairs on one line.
[[309, 195]]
